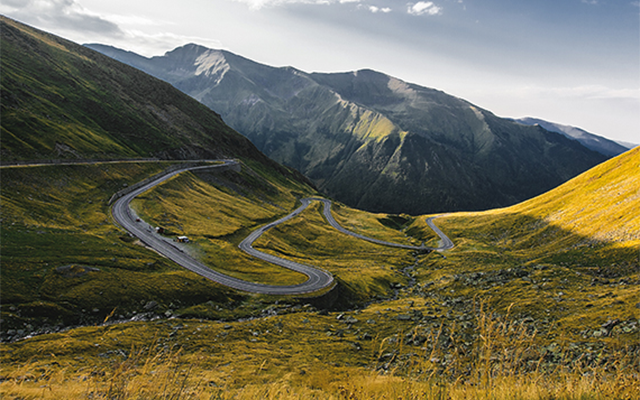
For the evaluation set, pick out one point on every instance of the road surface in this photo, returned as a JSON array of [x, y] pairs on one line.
[[126, 218], [446, 243], [318, 279]]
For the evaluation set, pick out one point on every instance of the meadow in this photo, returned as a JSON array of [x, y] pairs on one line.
[[536, 301]]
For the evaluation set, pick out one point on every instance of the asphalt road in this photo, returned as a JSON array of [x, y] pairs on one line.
[[446, 243], [317, 278], [125, 217]]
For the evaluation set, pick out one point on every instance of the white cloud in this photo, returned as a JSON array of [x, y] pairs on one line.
[[69, 19], [65, 14], [258, 4], [423, 7], [154, 44], [375, 9], [594, 2]]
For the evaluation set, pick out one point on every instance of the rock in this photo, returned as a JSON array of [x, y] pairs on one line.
[[403, 317], [609, 325], [151, 305]]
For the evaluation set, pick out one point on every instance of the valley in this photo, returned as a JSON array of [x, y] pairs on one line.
[[536, 299]]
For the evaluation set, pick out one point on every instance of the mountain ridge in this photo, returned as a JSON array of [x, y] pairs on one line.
[[106, 115], [589, 140], [371, 140]]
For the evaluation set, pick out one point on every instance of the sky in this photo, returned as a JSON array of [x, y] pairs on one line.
[[574, 62]]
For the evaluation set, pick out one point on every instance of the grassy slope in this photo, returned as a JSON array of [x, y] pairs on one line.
[[515, 320], [62, 100], [82, 104], [216, 219], [569, 257], [58, 216]]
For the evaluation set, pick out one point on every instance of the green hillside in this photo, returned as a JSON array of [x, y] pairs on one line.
[[64, 101], [527, 305], [64, 261]]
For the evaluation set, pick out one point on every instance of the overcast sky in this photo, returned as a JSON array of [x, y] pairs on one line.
[[576, 62]]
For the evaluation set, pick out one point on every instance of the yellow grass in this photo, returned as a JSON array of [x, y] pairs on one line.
[[297, 362]]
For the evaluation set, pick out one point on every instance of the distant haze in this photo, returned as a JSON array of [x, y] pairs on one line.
[[572, 61]]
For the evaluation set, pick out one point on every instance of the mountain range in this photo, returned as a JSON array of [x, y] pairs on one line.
[[371, 140], [587, 139]]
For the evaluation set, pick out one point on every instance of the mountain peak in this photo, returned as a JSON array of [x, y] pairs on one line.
[[188, 49]]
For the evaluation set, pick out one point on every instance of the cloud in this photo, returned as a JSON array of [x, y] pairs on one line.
[[64, 14], [375, 9], [69, 19], [153, 44], [593, 2], [587, 92], [258, 4], [424, 7]]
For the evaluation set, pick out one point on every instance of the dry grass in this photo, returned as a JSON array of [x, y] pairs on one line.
[[504, 362]]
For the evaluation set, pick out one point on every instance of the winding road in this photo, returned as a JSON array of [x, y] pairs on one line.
[[446, 243], [318, 279]]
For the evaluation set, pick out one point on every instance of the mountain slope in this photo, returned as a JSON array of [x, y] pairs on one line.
[[370, 140], [589, 140], [62, 100], [600, 204]]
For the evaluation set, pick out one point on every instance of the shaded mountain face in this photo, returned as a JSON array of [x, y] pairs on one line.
[[370, 140], [62, 100], [588, 140]]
